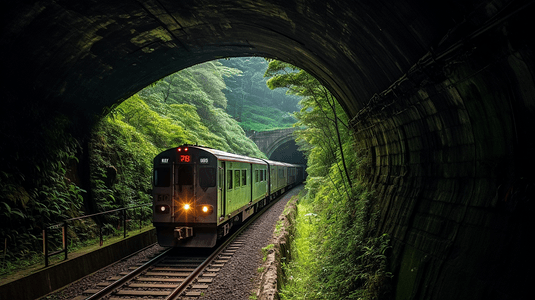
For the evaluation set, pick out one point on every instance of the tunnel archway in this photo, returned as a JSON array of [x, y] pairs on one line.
[[288, 152], [280, 144], [441, 98]]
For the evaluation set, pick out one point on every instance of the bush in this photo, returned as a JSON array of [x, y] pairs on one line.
[[338, 253]]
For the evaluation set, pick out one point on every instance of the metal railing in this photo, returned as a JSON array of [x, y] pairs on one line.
[[64, 226]]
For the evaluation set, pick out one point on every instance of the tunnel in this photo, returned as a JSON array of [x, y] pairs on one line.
[[288, 152], [440, 94]]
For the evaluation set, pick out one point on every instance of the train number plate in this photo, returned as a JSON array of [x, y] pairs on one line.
[[162, 197]]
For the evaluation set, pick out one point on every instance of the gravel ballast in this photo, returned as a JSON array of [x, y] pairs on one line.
[[238, 279]]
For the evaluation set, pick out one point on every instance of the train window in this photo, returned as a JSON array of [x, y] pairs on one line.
[[162, 177], [243, 177], [237, 178], [229, 179], [255, 175], [207, 177], [184, 175]]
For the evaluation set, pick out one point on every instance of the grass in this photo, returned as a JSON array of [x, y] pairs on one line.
[[265, 251], [300, 271], [331, 257], [278, 227]]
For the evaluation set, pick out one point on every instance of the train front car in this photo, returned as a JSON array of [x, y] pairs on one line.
[[185, 197]]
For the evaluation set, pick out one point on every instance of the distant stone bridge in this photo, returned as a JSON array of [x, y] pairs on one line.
[[269, 141]]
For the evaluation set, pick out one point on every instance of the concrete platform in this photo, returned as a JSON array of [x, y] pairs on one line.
[[54, 277]]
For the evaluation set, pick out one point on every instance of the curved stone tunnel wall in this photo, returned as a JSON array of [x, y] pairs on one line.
[[441, 98], [451, 162]]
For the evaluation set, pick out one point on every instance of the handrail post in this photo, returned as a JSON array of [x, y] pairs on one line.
[[124, 223], [65, 230], [45, 245], [100, 235], [65, 237]]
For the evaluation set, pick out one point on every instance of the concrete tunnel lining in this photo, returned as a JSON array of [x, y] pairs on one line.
[[100, 41], [441, 98]]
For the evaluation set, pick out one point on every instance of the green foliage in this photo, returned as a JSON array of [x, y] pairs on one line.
[[252, 103], [258, 118], [120, 165], [337, 254], [34, 185], [192, 100], [278, 227], [265, 251], [302, 270]]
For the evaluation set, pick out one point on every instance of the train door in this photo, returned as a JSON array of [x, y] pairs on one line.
[[251, 182], [221, 190], [273, 181]]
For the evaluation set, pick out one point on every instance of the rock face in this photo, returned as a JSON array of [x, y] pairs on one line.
[[441, 96], [272, 276]]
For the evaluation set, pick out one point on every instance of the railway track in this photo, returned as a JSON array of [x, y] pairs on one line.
[[167, 276], [172, 275]]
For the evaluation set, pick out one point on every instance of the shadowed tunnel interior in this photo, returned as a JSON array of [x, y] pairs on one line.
[[441, 96]]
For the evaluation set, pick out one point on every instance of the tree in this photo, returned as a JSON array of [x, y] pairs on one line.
[[320, 112], [251, 102]]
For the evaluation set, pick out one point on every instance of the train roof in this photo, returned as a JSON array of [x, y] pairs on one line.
[[226, 156], [279, 163], [222, 155]]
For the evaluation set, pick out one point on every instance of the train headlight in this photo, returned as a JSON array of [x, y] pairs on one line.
[[206, 209], [162, 209], [187, 206]]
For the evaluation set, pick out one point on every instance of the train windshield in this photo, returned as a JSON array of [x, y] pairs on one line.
[[207, 177], [162, 177], [184, 175]]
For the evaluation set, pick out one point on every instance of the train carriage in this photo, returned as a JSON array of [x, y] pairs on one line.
[[278, 177], [199, 193]]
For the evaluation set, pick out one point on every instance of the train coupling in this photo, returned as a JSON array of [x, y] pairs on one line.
[[183, 232]]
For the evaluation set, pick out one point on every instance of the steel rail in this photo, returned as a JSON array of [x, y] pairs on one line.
[[110, 288], [180, 289]]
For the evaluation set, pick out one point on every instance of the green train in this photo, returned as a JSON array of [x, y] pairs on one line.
[[200, 193]]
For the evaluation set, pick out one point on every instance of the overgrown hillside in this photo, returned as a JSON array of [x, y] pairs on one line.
[[252, 103]]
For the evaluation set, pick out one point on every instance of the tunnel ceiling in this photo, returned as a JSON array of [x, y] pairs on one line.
[[89, 54]]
